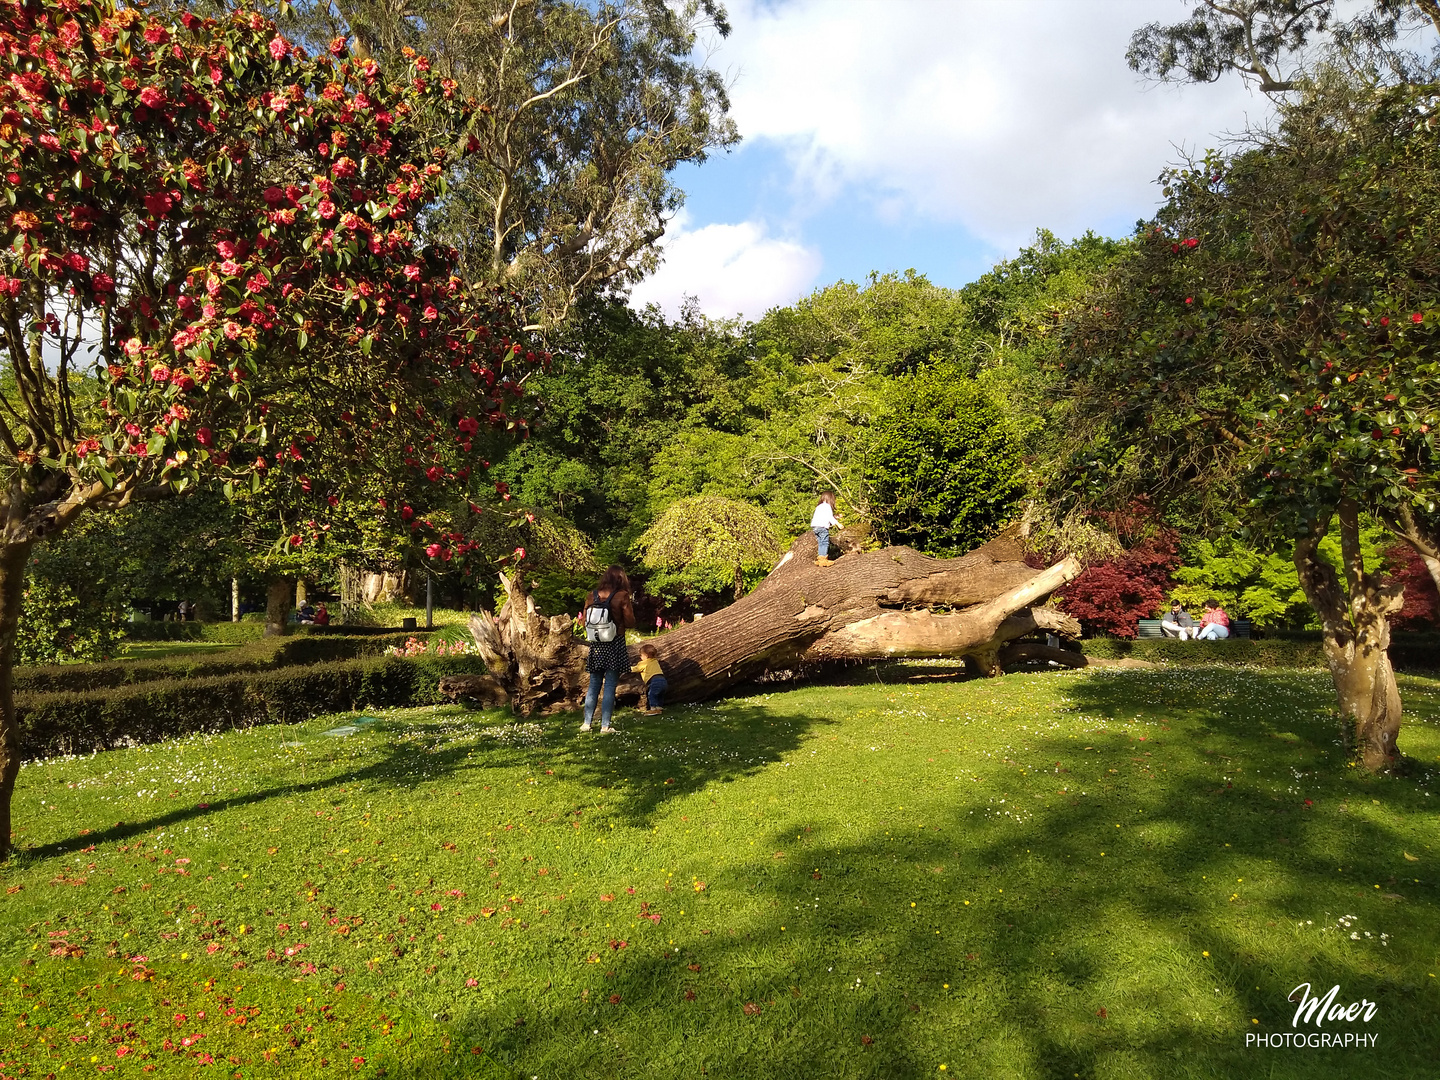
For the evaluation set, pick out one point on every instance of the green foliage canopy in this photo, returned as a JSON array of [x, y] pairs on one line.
[[707, 544], [944, 464]]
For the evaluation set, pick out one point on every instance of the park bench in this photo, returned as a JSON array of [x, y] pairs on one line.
[[1150, 628]]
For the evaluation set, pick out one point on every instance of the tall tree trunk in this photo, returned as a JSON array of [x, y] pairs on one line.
[[12, 590], [865, 606], [277, 607], [1355, 627]]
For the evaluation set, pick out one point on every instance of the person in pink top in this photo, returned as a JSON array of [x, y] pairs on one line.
[[1214, 624]]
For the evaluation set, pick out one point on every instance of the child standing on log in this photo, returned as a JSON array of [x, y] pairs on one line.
[[821, 522]]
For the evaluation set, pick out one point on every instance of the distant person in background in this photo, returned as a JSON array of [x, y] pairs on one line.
[[186, 611], [306, 614], [322, 615], [1214, 624], [1178, 623], [821, 522]]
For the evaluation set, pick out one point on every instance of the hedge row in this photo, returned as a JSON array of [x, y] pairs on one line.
[[263, 655], [72, 723], [232, 633], [1408, 652]]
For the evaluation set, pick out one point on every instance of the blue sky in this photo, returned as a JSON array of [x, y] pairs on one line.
[[933, 134]]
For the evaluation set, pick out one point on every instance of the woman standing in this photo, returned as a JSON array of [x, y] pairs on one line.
[[606, 617]]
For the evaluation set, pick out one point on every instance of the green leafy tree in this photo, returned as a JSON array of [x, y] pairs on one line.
[[894, 323], [943, 464], [1266, 350], [588, 108], [705, 545], [1261, 586], [1271, 43]]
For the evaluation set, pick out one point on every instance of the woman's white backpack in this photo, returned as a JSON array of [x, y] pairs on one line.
[[599, 626]]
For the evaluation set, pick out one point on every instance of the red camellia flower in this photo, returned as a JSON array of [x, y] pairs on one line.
[[1385, 320], [279, 48], [434, 473], [205, 437], [433, 550], [1417, 318], [296, 540]]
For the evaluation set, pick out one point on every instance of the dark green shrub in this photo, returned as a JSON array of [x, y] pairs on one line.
[[944, 464], [260, 655], [1408, 652], [1267, 653], [58, 627], [227, 632], [59, 723]]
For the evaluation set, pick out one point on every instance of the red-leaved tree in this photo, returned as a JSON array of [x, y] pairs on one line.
[[1113, 595], [1421, 609], [210, 269]]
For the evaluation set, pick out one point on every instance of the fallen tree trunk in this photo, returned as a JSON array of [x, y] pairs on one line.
[[871, 605]]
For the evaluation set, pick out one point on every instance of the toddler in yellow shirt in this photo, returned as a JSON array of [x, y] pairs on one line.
[[653, 676]]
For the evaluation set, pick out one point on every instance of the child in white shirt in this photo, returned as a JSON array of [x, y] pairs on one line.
[[821, 522]]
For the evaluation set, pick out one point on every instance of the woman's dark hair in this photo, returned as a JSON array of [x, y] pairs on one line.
[[1212, 602], [614, 580]]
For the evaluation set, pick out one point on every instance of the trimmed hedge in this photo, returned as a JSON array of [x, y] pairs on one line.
[[228, 632], [232, 633], [1408, 652], [72, 723], [261, 655]]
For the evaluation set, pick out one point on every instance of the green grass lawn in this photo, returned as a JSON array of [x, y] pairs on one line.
[[1097, 875]]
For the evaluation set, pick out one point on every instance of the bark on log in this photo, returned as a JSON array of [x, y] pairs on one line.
[[864, 606]]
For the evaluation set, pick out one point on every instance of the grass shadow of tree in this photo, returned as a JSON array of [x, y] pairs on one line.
[[1065, 962]]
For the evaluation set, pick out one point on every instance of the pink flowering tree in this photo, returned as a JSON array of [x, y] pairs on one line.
[[210, 271]]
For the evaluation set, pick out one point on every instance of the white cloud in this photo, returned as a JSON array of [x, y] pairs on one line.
[[730, 269], [996, 115]]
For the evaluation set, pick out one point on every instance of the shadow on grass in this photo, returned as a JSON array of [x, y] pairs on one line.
[[698, 744], [1150, 960], [685, 749]]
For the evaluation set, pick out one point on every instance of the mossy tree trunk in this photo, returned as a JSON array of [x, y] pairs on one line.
[[12, 591], [1355, 615], [277, 607]]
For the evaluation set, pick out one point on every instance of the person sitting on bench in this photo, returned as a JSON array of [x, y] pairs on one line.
[[1178, 623], [1214, 624]]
